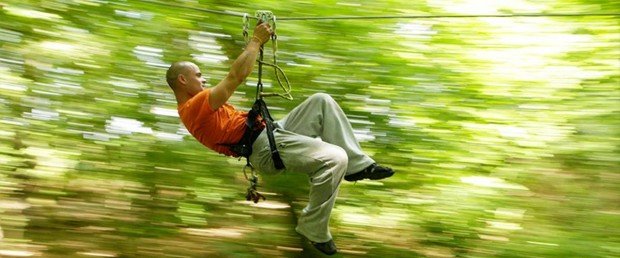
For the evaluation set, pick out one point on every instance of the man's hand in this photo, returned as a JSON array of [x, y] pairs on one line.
[[262, 33]]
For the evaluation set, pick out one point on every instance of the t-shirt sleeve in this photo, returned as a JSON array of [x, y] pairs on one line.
[[197, 107], [213, 128]]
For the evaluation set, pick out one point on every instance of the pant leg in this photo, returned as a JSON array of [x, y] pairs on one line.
[[321, 116], [325, 165]]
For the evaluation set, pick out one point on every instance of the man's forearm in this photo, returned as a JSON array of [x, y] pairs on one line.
[[241, 68], [243, 65]]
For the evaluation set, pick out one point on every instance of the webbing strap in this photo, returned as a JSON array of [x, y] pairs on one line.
[[264, 112]]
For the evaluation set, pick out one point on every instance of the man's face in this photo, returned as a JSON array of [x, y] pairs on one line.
[[193, 80]]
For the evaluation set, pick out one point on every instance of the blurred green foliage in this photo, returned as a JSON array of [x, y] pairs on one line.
[[504, 131]]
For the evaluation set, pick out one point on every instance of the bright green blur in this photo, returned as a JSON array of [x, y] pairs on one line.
[[504, 132]]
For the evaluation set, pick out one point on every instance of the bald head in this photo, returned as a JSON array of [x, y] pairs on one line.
[[176, 69]]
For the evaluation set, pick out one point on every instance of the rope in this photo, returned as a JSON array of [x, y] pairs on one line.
[[259, 85], [252, 193], [287, 89]]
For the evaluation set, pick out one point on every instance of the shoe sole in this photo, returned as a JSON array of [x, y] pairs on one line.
[[358, 178]]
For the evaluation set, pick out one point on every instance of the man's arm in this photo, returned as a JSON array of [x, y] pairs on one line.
[[241, 68]]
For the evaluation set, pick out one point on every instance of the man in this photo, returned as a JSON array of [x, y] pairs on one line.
[[337, 154]]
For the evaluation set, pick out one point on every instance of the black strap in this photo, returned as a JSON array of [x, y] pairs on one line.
[[264, 112], [261, 106]]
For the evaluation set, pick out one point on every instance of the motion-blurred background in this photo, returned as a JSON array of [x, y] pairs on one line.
[[504, 132]]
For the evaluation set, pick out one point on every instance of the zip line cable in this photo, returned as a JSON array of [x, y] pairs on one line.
[[229, 13], [448, 16], [278, 70]]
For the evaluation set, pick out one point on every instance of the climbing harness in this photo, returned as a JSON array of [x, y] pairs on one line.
[[254, 124]]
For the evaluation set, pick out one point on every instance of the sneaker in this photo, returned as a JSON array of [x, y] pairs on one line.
[[328, 248], [372, 172]]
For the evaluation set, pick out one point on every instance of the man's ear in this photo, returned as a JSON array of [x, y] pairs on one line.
[[182, 79]]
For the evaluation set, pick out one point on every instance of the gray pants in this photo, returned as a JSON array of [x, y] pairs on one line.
[[325, 160]]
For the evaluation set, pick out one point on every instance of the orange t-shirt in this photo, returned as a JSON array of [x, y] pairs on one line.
[[212, 128]]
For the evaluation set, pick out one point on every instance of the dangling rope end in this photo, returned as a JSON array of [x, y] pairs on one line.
[[252, 193]]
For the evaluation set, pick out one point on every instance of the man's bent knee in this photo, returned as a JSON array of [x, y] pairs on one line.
[[321, 97], [339, 159]]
